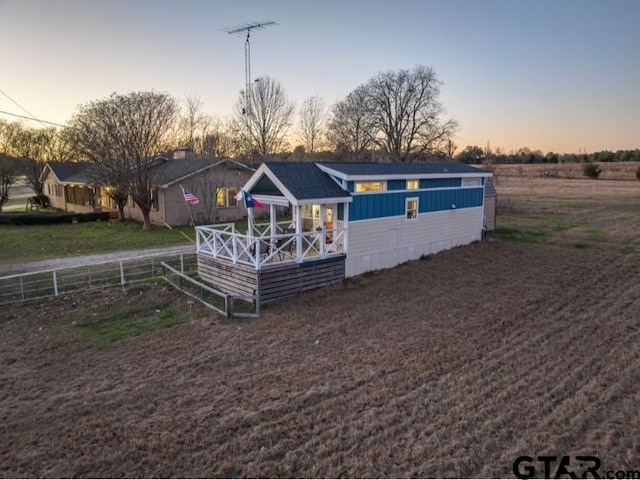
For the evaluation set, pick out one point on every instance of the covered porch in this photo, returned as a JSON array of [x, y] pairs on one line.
[[315, 230]]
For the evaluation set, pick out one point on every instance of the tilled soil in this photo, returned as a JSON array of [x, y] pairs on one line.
[[451, 366]]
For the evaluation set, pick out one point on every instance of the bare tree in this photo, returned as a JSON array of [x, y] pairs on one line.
[[32, 146], [265, 115], [312, 123], [405, 111], [221, 139], [8, 164], [123, 135], [350, 127]]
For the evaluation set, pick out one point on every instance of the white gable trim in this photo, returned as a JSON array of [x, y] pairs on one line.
[[264, 170]]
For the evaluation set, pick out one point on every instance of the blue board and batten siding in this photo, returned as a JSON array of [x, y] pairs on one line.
[[390, 204], [381, 236]]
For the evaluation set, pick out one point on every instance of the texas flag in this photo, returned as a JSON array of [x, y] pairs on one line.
[[251, 202]]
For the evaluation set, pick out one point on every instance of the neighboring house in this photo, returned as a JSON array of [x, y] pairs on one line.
[[215, 182], [69, 187], [347, 219]]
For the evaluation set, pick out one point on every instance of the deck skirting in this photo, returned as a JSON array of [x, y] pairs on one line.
[[274, 283]]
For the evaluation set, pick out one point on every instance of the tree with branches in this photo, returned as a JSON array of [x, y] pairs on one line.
[[265, 114], [312, 123], [123, 135], [407, 115], [350, 128]]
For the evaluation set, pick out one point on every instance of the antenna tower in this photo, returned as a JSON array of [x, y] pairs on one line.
[[240, 29]]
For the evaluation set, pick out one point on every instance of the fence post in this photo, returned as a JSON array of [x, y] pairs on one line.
[[227, 305], [55, 283], [182, 263], [21, 289], [121, 274]]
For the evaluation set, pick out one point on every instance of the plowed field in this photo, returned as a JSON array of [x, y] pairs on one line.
[[450, 366]]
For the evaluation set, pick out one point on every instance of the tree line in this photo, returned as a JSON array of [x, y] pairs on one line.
[[395, 116], [476, 155]]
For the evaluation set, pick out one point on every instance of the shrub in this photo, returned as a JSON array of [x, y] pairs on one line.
[[591, 169], [50, 218]]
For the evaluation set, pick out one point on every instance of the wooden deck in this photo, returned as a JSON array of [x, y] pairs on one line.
[[273, 282]]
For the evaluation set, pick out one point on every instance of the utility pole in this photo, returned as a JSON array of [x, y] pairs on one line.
[[248, 27]]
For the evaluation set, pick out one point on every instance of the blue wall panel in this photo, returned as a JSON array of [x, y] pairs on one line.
[[396, 184], [391, 204], [440, 182]]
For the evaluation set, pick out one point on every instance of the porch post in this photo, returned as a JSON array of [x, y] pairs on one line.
[[298, 213], [250, 222], [273, 220], [323, 228], [345, 227]]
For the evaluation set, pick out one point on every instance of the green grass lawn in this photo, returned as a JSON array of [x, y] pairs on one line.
[[22, 243]]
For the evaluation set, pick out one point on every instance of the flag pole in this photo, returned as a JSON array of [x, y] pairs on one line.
[[193, 223]]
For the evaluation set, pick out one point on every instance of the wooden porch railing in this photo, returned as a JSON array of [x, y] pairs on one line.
[[222, 241]]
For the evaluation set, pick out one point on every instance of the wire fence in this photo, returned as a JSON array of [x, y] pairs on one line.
[[60, 281]]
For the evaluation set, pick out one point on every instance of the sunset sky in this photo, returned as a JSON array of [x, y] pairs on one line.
[[559, 75]]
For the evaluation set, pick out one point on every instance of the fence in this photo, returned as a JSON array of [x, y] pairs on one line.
[[60, 281], [229, 305]]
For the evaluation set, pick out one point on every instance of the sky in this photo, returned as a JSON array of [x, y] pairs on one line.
[[554, 75]]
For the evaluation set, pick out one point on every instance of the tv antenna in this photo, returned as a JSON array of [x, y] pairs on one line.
[[240, 29]]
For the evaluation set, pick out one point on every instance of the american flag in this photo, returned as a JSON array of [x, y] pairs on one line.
[[189, 197]]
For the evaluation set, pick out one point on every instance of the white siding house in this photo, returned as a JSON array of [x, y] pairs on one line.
[[349, 217]]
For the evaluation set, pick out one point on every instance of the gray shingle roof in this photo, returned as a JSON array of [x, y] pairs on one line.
[[490, 190], [306, 181], [72, 172], [171, 170], [164, 171], [427, 168]]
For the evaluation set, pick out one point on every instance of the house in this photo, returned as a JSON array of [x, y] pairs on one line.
[[215, 182], [347, 219]]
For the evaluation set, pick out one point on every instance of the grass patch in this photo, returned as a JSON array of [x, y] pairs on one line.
[[582, 245], [127, 319], [597, 235], [630, 246], [21, 243], [520, 235]]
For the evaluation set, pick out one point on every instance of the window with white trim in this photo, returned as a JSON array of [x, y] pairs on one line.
[[411, 209], [413, 184], [226, 197], [472, 182], [370, 187]]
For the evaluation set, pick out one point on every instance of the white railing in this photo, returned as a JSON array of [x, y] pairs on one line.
[[222, 241], [264, 229]]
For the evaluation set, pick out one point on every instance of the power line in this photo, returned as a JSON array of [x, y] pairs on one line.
[[33, 118]]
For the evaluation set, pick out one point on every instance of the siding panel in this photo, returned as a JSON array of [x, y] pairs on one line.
[[372, 246]]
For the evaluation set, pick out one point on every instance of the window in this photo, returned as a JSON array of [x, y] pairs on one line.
[[370, 186], [154, 200], [412, 184], [412, 209], [226, 197], [471, 182]]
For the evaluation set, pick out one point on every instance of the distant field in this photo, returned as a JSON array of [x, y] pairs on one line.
[[610, 171], [449, 366]]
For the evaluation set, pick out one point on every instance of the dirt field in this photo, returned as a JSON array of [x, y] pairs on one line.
[[450, 366]]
